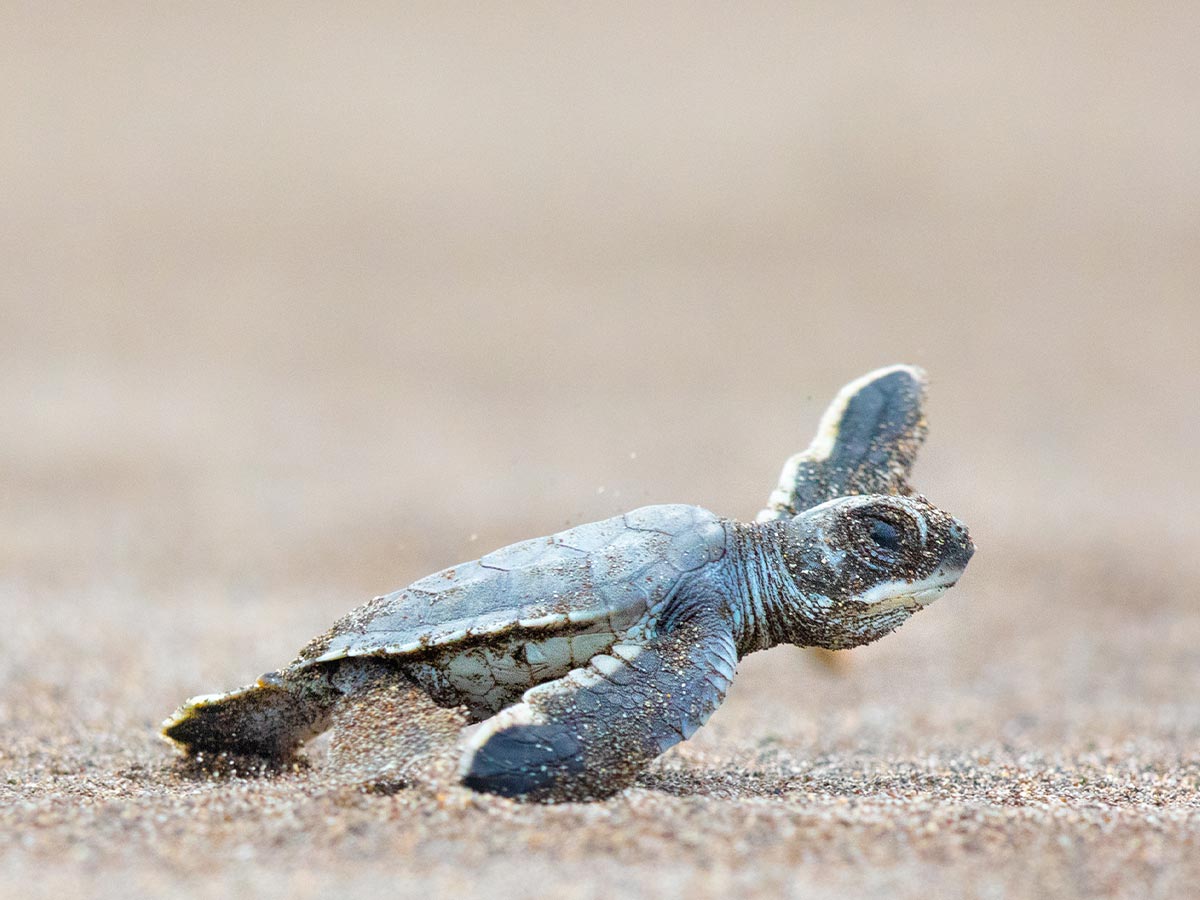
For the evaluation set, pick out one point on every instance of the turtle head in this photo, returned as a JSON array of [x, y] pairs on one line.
[[863, 564]]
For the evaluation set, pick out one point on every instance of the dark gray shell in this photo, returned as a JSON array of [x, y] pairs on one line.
[[607, 577]]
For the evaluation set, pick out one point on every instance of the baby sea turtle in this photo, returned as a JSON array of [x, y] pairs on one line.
[[588, 653]]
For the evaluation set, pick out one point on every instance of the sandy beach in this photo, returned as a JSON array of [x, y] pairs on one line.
[[299, 306]]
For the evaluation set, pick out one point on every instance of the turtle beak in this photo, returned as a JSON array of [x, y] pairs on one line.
[[958, 552], [959, 549]]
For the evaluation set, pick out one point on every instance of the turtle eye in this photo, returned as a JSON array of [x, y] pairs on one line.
[[885, 535]]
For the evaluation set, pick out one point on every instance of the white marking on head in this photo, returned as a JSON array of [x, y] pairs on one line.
[[912, 595], [923, 527]]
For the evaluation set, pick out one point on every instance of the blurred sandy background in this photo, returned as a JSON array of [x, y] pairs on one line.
[[298, 303]]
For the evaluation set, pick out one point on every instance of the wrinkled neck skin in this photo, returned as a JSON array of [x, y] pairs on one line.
[[770, 608], [767, 607]]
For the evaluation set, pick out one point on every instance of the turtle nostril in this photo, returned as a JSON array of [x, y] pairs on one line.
[[959, 553], [962, 538]]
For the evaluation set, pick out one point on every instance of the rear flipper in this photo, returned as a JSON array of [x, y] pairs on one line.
[[269, 719], [387, 732], [588, 734]]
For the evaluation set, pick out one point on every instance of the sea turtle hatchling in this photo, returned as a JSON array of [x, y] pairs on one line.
[[588, 653]]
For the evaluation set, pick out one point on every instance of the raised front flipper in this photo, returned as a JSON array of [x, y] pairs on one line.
[[866, 443], [588, 734]]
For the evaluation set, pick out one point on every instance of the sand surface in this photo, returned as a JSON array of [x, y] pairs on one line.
[[298, 305]]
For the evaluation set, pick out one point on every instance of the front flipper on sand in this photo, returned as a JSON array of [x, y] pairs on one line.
[[866, 443], [586, 735]]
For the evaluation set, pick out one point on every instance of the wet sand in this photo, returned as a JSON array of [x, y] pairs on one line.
[[297, 310]]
